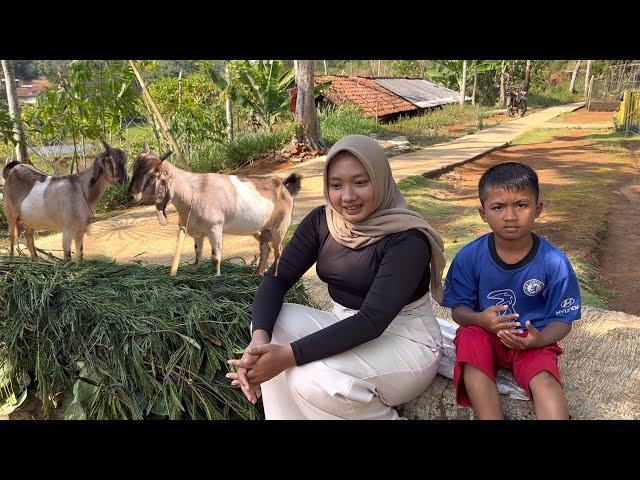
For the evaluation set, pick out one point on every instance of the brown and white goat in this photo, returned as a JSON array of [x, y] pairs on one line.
[[214, 204], [35, 201]]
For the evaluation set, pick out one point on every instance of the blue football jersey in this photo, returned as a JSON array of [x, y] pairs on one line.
[[541, 288]]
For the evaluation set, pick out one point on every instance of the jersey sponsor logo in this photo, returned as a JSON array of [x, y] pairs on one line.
[[532, 287], [568, 305], [504, 297]]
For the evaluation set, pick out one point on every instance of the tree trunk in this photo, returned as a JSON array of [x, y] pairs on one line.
[[502, 95], [587, 75], [163, 125], [475, 87], [325, 67], [463, 84], [306, 118], [229, 109], [574, 76], [527, 76], [14, 113]]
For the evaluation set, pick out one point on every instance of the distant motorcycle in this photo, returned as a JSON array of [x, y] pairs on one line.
[[516, 103]]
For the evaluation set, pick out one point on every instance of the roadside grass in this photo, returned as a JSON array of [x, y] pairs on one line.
[[538, 135], [551, 97], [457, 224]]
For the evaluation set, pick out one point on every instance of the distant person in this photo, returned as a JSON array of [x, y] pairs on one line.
[[514, 296], [381, 346]]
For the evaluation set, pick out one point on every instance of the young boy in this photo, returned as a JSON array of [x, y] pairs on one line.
[[514, 296]]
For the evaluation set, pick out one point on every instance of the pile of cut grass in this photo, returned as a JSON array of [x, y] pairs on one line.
[[128, 341]]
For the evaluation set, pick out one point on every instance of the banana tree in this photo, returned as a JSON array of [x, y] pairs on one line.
[[451, 72], [263, 86], [225, 84]]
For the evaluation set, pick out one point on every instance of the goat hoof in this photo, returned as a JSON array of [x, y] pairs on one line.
[[193, 268], [67, 263]]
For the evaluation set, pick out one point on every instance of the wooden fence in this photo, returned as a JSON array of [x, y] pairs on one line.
[[628, 118]]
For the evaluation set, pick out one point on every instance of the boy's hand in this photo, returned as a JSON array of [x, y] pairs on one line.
[[532, 340], [491, 321]]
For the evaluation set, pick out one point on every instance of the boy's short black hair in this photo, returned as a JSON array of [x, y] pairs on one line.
[[508, 176]]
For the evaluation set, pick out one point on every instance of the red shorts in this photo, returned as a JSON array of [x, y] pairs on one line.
[[485, 351]]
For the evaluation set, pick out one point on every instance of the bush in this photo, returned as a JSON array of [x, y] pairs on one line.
[[228, 156], [558, 95], [337, 122]]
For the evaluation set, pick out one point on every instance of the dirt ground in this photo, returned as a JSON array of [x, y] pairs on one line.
[[619, 252], [585, 116], [622, 247]]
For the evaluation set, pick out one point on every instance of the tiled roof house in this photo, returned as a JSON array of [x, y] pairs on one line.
[[386, 98], [28, 91]]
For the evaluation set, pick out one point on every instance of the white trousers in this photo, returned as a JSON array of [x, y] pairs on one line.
[[363, 383]]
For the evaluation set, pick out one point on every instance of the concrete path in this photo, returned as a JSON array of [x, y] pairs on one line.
[[137, 236]]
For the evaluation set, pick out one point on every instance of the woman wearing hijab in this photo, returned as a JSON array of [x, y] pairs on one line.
[[381, 345]]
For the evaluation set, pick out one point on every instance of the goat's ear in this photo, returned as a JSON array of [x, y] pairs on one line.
[[146, 148], [97, 170], [165, 155], [107, 147]]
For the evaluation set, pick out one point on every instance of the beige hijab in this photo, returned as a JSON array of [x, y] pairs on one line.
[[390, 211]]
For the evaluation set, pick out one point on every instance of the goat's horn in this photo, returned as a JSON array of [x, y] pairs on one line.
[[146, 148], [107, 147], [165, 155]]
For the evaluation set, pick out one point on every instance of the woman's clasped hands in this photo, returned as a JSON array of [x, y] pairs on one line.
[[260, 362]]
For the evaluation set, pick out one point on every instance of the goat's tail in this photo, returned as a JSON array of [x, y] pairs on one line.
[[292, 182], [8, 167]]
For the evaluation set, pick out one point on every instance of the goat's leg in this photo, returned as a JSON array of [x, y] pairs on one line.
[[29, 237], [278, 236], [215, 237], [276, 259], [12, 235], [67, 237], [265, 250], [198, 247], [78, 239]]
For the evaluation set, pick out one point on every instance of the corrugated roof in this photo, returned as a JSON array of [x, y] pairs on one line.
[[421, 93], [374, 99]]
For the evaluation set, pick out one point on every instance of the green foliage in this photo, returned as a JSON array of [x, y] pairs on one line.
[[409, 68], [25, 69], [263, 86], [130, 340], [192, 108], [115, 198], [6, 126], [556, 95], [337, 122], [90, 102], [448, 73], [228, 156]]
